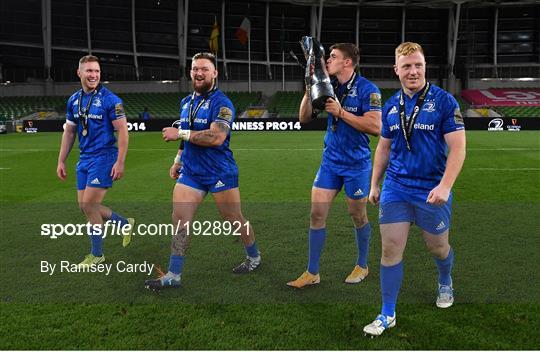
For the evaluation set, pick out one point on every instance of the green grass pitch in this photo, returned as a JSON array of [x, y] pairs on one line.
[[495, 235]]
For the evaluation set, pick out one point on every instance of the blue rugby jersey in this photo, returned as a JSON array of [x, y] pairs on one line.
[[423, 167], [106, 107], [348, 147], [205, 161]]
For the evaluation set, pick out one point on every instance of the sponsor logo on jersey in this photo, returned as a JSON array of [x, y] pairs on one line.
[[119, 110], [429, 106], [95, 117], [200, 120], [394, 127], [458, 117], [393, 110], [351, 108], [375, 100], [422, 126], [225, 113]]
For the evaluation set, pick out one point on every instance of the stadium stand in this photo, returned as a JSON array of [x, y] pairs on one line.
[[518, 111], [160, 105], [17, 107]]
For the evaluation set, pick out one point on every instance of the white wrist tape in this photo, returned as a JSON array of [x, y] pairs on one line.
[[184, 134]]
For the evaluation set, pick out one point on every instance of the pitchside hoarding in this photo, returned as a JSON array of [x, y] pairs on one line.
[[136, 125]]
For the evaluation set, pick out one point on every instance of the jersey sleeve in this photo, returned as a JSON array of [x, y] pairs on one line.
[[70, 119], [223, 112], [115, 108], [452, 117], [385, 130], [371, 99]]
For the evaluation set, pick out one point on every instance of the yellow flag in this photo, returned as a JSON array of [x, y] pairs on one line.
[[213, 42]]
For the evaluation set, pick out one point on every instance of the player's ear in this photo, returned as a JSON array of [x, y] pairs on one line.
[[395, 70]]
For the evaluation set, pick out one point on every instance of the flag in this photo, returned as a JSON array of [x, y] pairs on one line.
[[243, 32], [213, 42]]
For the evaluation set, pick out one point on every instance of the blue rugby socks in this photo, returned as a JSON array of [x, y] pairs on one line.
[[96, 240], [120, 220], [445, 268], [252, 250], [363, 236], [391, 278], [316, 243], [176, 264]]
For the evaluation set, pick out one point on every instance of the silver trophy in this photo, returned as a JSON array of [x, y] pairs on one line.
[[316, 77]]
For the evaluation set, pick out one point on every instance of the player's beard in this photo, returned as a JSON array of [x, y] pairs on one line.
[[204, 88]]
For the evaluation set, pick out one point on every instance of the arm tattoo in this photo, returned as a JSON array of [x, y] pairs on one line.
[[210, 136], [204, 137], [180, 242], [223, 127]]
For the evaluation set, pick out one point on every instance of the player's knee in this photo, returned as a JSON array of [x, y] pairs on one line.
[[359, 218], [438, 249], [89, 208], [391, 250], [317, 218]]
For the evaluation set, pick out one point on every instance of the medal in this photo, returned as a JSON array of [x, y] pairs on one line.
[[334, 127], [83, 112]]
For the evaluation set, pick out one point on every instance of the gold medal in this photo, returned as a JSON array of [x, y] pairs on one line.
[[84, 132]]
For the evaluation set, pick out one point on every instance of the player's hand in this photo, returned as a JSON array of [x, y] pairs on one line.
[[173, 171], [170, 134], [333, 106], [61, 171], [374, 195], [438, 195], [117, 170]]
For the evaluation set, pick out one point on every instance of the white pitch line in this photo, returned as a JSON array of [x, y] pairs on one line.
[[506, 169], [5, 168], [503, 149]]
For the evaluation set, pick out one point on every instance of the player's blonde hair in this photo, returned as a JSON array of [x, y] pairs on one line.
[[88, 58], [408, 48]]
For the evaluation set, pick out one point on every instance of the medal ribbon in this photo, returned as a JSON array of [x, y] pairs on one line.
[[83, 114], [407, 126], [343, 97], [193, 114]]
